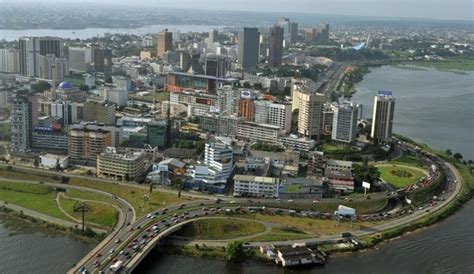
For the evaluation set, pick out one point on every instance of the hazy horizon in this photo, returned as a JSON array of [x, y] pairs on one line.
[[427, 9]]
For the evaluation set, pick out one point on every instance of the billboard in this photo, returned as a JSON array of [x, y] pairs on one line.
[[246, 94], [203, 101], [345, 211], [384, 93], [365, 185]]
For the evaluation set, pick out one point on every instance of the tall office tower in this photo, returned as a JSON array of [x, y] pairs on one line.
[[9, 60], [344, 123], [310, 114], [382, 118], [275, 52], [213, 36], [323, 35], [292, 32], [32, 47], [64, 112], [164, 42], [217, 65], [311, 34], [53, 68], [80, 59], [280, 115], [246, 109], [101, 58], [248, 48], [24, 119]]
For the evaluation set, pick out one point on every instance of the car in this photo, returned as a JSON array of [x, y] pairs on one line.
[[144, 236], [148, 230], [111, 251], [290, 201], [98, 255], [181, 206], [96, 262], [131, 228], [346, 234], [117, 241], [149, 215], [201, 204], [121, 252]]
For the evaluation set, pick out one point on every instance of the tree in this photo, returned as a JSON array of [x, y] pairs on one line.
[[36, 163], [84, 87], [41, 86], [457, 156], [108, 79], [235, 251], [365, 173], [247, 85], [449, 152]]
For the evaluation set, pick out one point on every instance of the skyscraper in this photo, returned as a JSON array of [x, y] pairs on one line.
[[213, 36], [310, 114], [32, 47], [382, 119], [248, 48], [24, 118], [217, 65], [53, 68], [9, 60], [164, 42], [275, 46], [344, 123]]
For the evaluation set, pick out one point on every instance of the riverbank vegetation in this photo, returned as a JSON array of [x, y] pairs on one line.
[[220, 229]]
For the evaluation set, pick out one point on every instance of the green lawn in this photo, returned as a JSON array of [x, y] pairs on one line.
[[135, 196], [159, 96], [281, 234], [313, 227], [219, 229], [409, 160], [100, 214], [73, 193], [400, 176], [450, 64], [335, 148], [35, 198], [291, 188]]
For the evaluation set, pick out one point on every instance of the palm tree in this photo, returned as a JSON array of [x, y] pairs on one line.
[[449, 152], [457, 156]]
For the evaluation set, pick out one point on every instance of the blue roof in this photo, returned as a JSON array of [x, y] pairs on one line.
[[65, 85]]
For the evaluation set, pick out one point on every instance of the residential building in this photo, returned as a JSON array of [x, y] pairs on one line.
[[248, 48], [382, 118], [275, 52], [344, 126], [164, 42], [117, 96], [256, 186], [24, 119], [121, 167], [86, 142], [101, 113], [246, 109], [280, 115], [51, 139], [337, 165], [298, 144], [255, 132], [220, 125], [310, 114]]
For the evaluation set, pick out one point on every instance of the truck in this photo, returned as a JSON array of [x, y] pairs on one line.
[[116, 266]]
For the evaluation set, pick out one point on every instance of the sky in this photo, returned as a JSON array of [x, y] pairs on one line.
[[433, 9]]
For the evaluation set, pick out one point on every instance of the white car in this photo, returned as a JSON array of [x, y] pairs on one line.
[[111, 251]]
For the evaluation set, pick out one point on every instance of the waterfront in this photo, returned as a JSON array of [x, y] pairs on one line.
[[26, 251], [87, 33]]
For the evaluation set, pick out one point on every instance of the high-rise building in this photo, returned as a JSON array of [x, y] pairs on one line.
[[64, 112], [24, 119], [117, 96], [261, 111], [280, 115], [213, 36], [275, 52], [9, 60], [217, 65], [344, 124], [248, 48], [293, 32], [80, 59], [246, 109], [310, 114], [382, 118], [32, 47], [164, 42], [323, 35], [102, 113], [53, 68], [310, 34], [101, 58]]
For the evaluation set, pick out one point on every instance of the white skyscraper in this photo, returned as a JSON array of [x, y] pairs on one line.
[[280, 115], [310, 114], [382, 118]]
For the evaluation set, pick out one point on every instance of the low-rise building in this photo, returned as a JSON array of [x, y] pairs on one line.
[[299, 144], [122, 167], [340, 179], [256, 186], [53, 160], [292, 256], [255, 132], [49, 139]]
